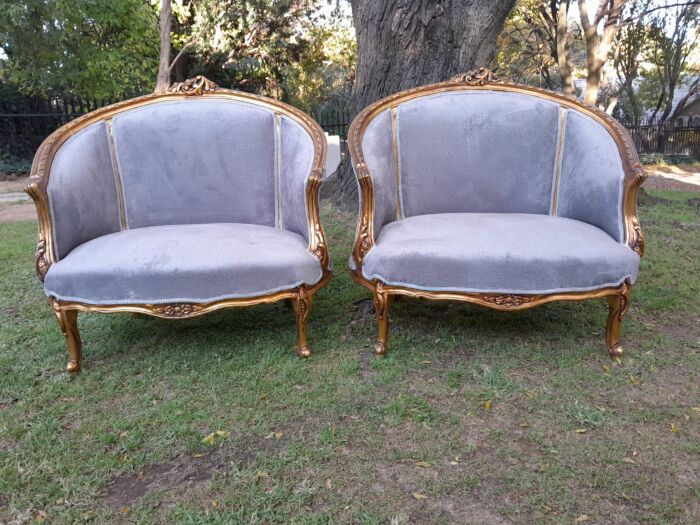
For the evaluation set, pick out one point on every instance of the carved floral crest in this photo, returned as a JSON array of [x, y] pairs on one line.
[[476, 77], [194, 86]]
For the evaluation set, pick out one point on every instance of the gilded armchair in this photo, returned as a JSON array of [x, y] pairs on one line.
[[498, 194], [179, 204]]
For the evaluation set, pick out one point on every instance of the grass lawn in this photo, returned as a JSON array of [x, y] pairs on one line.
[[475, 416]]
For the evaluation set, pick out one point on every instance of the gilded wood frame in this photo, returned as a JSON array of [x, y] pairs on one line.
[[483, 79], [300, 297]]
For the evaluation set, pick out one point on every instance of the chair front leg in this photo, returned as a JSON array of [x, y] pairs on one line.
[[618, 305], [68, 321], [382, 302], [302, 305]]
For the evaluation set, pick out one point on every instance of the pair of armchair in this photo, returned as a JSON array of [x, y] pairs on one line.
[[175, 205]]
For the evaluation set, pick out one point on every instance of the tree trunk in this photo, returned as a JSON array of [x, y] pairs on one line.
[[163, 78], [406, 43], [567, 78]]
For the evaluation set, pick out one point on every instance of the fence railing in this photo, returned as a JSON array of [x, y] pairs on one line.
[[666, 139], [26, 121]]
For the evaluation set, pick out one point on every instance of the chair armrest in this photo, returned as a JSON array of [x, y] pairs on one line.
[[372, 144]]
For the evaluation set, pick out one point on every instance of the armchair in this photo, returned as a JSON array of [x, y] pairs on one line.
[[179, 204], [498, 194]]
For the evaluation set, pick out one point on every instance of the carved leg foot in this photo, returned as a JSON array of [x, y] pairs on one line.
[[302, 305], [68, 321], [382, 302], [617, 308]]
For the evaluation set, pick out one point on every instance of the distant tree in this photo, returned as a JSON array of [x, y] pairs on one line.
[[535, 41], [628, 50], [609, 18], [97, 48], [675, 38]]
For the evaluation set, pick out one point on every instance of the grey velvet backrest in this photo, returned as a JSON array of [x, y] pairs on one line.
[[181, 160], [498, 151]]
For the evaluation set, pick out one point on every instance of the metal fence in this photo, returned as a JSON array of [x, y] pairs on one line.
[[26, 121], [665, 139]]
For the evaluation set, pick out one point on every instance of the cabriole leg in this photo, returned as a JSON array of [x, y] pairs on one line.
[[617, 308], [302, 305], [68, 321], [382, 302]]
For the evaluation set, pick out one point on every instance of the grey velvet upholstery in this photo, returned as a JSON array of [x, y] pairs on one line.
[[479, 151], [591, 182], [476, 151], [81, 190], [214, 205], [378, 150], [197, 161], [500, 253], [295, 162], [196, 263]]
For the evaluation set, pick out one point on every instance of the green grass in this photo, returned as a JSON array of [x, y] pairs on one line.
[[475, 416]]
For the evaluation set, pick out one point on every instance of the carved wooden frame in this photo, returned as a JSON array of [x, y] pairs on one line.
[[300, 297], [484, 79]]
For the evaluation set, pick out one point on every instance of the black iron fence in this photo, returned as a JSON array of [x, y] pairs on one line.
[[666, 139], [26, 121]]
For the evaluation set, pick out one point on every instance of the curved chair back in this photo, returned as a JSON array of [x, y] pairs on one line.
[[478, 145], [197, 154]]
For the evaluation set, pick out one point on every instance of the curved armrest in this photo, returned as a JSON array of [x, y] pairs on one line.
[[377, 181]]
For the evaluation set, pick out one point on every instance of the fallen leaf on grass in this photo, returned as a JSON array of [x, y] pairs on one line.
[[674, 428], [276, 435], [581, 430], [423, 464], [629, 460], [210, 438], [634, 380], [582, 518], [487, 405], [261, 475], [419, 496]]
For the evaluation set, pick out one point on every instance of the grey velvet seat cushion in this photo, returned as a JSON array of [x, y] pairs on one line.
[[183, 263], [498, 252]]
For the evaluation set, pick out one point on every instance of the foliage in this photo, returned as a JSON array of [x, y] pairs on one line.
[[11, 166], [88, 47], [527, 48], [289, 49]]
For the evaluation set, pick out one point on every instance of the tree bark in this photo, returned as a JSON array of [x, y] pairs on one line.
[[562, 31], [598, 46], [163, 78], [406, 43]]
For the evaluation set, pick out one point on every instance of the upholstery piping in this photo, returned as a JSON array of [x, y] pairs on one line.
[[123, 223], [558, 160], [395, 135], [278, 162]]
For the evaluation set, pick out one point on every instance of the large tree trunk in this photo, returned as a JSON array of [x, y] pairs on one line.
[[407, 43], [163, 78]]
